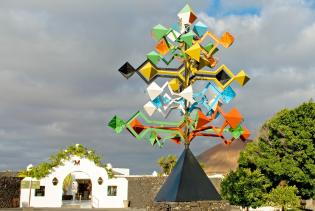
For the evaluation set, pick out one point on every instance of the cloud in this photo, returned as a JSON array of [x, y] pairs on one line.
[[274, 47], [59, 82]]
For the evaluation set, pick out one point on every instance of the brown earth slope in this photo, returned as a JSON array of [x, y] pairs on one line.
[[222, 158]]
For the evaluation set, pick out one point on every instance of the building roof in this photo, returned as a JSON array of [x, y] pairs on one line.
[[222, 158]]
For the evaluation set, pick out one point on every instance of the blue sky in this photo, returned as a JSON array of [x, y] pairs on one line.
[[216, 9], [59, 81]]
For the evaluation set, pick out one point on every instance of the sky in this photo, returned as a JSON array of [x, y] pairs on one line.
[[59, 83]]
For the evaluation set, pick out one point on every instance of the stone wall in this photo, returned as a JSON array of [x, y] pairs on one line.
[[190, 206], [9, 191], [142, 190]]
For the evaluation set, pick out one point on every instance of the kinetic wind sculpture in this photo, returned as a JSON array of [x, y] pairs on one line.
[[194, 47]]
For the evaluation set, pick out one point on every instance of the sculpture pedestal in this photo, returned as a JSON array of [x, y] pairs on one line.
[[190, 206], [187, 182]]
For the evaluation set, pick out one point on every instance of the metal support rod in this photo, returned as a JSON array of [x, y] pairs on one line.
[[186, 115]]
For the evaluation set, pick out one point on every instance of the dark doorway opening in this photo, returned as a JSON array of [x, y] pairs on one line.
[[84, 189]]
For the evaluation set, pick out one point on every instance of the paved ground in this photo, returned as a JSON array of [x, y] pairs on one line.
[[74, 209], [81, 209], [84, 209], [69, 209]]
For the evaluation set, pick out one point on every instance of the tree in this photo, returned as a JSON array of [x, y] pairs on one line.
[[167, 163], [284, 197], [285, 149], [245, 188], [66, 183]]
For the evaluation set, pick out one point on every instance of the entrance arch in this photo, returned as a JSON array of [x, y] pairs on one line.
[[47, 191], [77, 190], [85, 166]]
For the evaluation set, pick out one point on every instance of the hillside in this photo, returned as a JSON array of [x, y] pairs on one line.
[[221, 158]]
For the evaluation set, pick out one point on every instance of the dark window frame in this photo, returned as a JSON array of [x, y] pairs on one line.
[[112, 190], [40, 192]]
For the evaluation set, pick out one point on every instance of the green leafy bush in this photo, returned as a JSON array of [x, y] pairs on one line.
[[45, 168]]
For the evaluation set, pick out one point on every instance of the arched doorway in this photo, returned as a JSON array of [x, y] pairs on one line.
[[101, 191], [77, 190]]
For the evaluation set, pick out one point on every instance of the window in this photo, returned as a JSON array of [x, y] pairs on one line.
[[112, 191], [40, 191], [55, 181], [100, 181]]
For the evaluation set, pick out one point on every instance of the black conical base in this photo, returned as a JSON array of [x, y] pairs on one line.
[[187, 182]]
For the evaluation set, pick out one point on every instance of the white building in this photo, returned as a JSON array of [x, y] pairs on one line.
[[91, 187]]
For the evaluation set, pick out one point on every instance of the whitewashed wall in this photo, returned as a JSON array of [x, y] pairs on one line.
[[53, 194]]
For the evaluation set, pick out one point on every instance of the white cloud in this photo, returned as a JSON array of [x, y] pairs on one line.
[[59, 81], [275, 48]]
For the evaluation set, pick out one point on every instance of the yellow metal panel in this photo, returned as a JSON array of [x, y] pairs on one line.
[[148, 71], [242, 78], [174, 84], [194, 52]]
